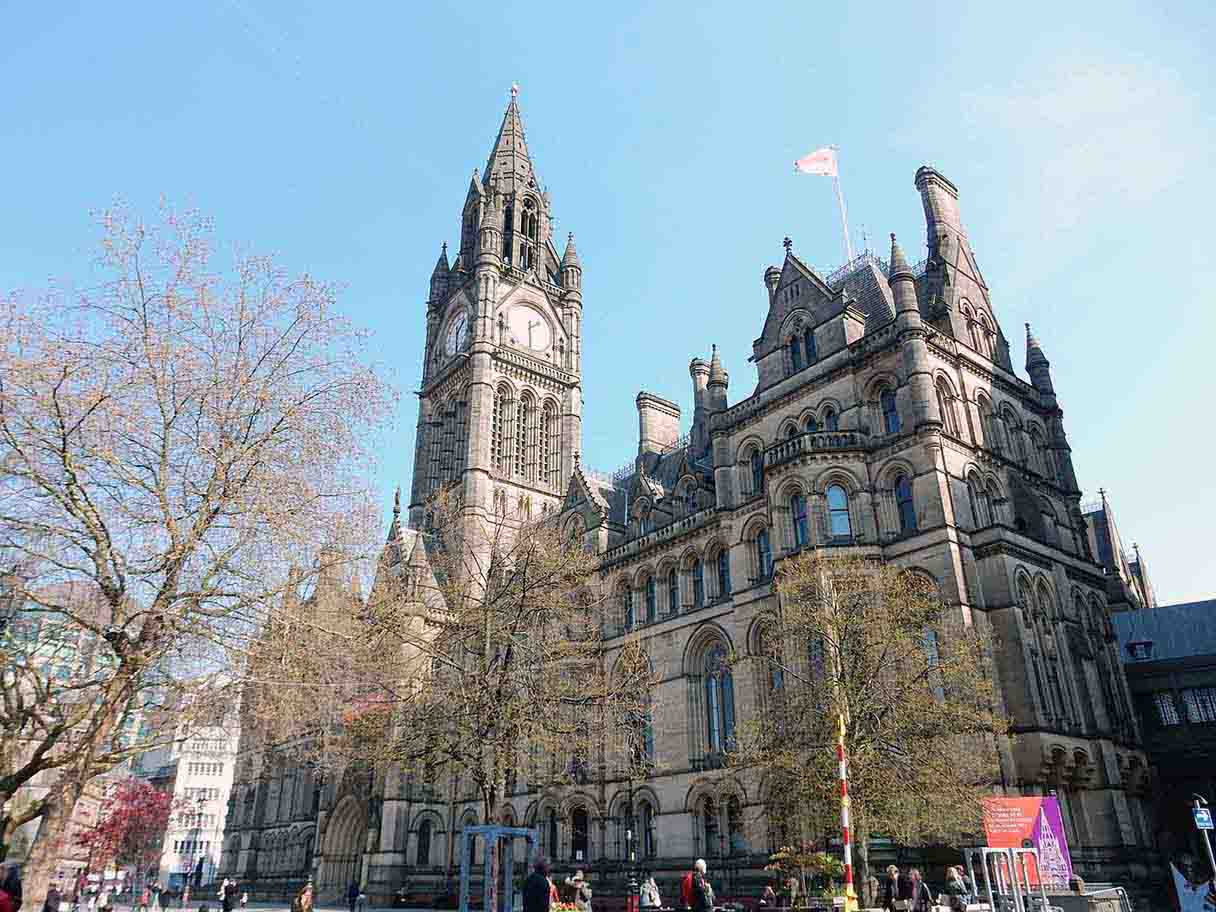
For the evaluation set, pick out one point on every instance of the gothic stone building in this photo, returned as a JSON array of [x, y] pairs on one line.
[[886, 420]]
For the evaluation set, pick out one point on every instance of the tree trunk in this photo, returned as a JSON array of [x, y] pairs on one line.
[[44, 855], [862, 844]]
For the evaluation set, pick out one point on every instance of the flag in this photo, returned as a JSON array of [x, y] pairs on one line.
[[821, 161]]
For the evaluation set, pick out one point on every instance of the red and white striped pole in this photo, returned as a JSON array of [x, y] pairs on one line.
[[850, 894]]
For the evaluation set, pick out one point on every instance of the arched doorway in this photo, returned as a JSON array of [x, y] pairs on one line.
[[342, 852]]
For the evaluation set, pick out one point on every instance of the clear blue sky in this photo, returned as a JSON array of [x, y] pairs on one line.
[[342, 137]]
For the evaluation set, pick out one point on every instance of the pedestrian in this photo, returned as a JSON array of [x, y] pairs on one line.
[[7, 902], [957, 889], [10, 883], [890, 888], [650, 893], [91, 906], [791, 890], [702, 893], [53, 899], [582, 891], [686, 883], [303, 900], [352, 895], [361, 902], [185, 896], [244, 900], [228, 895], [538, 889], [922, 899], [768, 897]]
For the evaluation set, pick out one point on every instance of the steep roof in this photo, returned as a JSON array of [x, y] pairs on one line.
[[509, 167], [1181, 631]]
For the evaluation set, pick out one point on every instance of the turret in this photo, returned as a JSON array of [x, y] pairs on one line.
[[698, 369], [658, 428], [772, 278], [719, 380], [911, 330], [572, 269], [1037, 365], [439, 278]]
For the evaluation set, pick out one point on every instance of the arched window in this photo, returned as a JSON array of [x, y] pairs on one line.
[[791, 431], [839, 523], [723, 561], [709, 828], [423, 858], [903, 502], [811, 424], [757, 464], [770, 654], [719, 701], [830, 421], [651, 606], [988, 425], [698, 583], [627, 607], [890, 415], [796, 353], [551, 832], [808, 340], [508, 233], [579, 833], [523, 425], [987, 345], [735, 841], [764, 556], [673, 591], [500, 433], [646, 828], [945, 405], [547, 445], [932, 658], [802, 529], [981, 506]]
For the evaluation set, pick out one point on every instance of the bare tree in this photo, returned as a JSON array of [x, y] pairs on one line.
[[911, 678], [480, 655], [173, 438]]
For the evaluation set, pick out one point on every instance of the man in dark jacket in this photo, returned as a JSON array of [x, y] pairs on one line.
[[537, 888], [702, 894]]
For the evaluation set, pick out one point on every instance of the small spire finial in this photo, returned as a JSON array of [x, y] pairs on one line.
[[397, 502], [445, 246], [515, 90], [787, 243]]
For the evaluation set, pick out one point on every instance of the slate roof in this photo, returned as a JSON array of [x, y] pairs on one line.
[[871, 294], [1187, 630], [660, 481]]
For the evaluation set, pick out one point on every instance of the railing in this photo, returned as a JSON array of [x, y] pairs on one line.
[[811, 441], [864, 259]]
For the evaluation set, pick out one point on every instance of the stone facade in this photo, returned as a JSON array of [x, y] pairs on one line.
[[886, 420]]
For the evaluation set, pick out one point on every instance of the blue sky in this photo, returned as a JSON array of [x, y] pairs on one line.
[[342, 136]]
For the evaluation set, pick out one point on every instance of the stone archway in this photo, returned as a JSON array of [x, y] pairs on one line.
[[342, 848]]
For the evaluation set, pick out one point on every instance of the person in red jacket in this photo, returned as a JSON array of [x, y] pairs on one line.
[[686, 883]]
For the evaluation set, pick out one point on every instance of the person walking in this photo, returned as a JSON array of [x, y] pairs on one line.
[[922, 899], [768, 896], [702, 893], [244, 901], [582, 891], [352, 895], [361, 901], [957, 890], [228, 895], [890, 888], [538, 889], [303, 900], [686, 883], [650, 893]]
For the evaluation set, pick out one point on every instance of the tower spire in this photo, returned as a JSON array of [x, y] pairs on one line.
[[509, 167], [1034, 349]]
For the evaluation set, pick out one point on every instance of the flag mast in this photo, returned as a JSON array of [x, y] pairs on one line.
[[844, 218], [825, 163]]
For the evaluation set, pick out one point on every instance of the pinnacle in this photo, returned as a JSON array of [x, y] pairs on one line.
[[570, 258], [717, 374], [441, 265], [1034, 349], [899, 263], [509, 164]]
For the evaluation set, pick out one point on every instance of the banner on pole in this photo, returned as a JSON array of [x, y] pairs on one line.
[[821, 162], [1011, 823]]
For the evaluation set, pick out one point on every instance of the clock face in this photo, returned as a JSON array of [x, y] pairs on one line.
[[528, 328], [458, 334]]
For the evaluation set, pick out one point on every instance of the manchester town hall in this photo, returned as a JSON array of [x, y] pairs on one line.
[[885, 419]]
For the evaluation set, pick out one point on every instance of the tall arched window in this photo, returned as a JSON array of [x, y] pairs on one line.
[[551, 832], [646, 828], [981, 507], [802, 529], [508, 233], [791, 431], [796, 353], [579, 834], [423, 858], [764, 556], [945, 405], [627, 607], [709, 827], [830, 421], [523, 424], [673, 591], [547, 445], [723, 561], [698, 583], [651, 606], [757, 465], [808, 340], [719, 701], [890, 415], [903, 502], [839, 523], [811, 424], [500, 434]]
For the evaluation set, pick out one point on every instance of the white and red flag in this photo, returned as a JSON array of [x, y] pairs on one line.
[[821, 162]]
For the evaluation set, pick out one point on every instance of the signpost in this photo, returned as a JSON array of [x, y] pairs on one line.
[[1203, 818], [1203, 823]]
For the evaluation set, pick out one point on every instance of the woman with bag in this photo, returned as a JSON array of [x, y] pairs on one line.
[[957, 890], [922, 899]]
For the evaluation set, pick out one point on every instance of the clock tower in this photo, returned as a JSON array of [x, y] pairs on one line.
[[500, 412]]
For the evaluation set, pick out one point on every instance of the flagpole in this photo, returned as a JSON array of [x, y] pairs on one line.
[[844, 218]]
